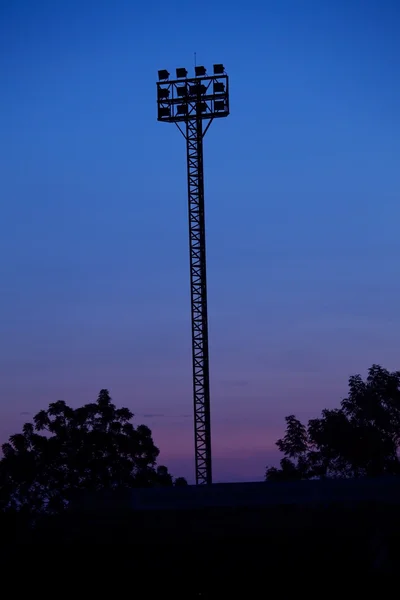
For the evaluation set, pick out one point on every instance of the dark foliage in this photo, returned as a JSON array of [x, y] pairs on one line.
[[66, 451], [359, 439]]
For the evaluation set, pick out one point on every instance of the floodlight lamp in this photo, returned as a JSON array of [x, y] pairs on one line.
[[218, 87], [200, 71], [181, 73], [219, 69], [163, 74], [197, 89], [164, 113], [163, 93], [219, 105], [182, 109], [181, 90]]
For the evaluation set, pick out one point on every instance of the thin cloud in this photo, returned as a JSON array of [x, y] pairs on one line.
[[159, 416], [151, 416], [25, 413], [237, 382]]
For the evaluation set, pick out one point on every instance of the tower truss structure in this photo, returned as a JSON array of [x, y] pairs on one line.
[[192, 103]]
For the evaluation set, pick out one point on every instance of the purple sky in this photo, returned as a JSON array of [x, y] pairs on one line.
[[302, 194]]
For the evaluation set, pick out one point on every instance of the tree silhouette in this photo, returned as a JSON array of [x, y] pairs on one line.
[[65, 450], [360, 439], [180, 482]]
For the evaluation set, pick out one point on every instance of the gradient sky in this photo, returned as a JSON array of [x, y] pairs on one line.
[[302, 197]]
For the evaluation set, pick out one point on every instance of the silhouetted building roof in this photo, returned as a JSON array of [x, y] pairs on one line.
[[251, 495]]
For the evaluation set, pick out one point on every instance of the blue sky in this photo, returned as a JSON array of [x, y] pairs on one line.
[[302, 204]]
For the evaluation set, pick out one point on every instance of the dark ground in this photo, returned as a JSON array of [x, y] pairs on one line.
[[250, 548]]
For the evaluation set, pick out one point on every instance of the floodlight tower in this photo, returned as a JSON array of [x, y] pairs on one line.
[[188, 102]]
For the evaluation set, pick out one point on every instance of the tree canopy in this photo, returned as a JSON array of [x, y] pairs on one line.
[[359, 439], [66, 450]]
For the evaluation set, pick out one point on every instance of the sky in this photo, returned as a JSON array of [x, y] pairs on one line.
[[302, 185]]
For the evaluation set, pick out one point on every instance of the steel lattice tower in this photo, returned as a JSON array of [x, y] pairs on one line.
[[189, 102]]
